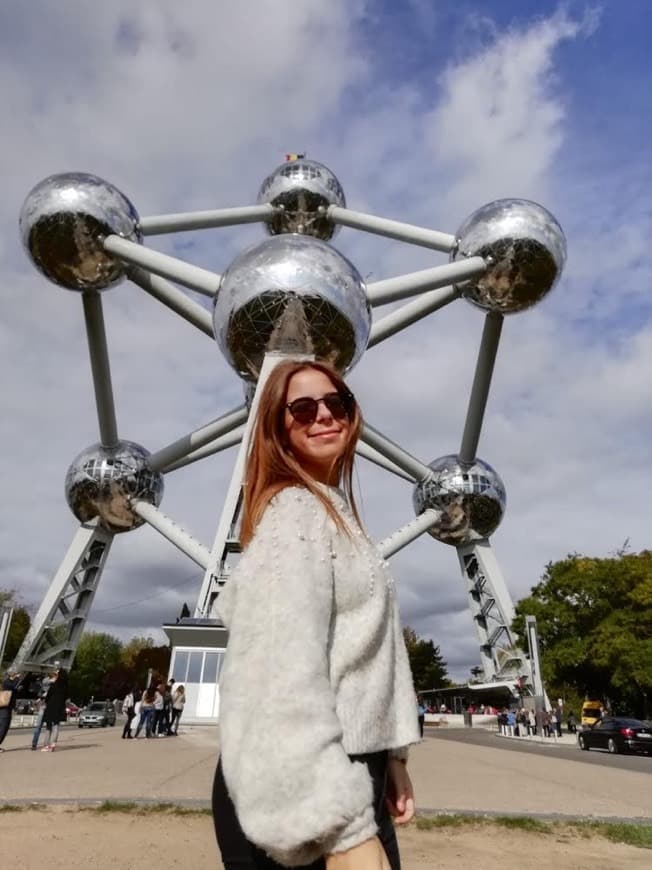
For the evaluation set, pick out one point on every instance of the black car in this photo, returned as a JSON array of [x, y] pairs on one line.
[[617, 734]]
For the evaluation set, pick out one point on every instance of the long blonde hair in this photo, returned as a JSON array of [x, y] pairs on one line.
[[271, 466]]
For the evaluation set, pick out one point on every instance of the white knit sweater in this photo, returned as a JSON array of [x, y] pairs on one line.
[[316, 669]]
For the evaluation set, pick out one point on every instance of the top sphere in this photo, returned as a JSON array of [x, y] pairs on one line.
[[470, 497], [63, 222], [301, 190], [525, 250]]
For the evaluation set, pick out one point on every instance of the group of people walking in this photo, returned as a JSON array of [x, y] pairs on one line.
[[50, 707], [158, 708]]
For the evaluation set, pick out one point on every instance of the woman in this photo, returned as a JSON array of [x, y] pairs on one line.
[[9, 695], [178, 703], [129, 709], [317, 705], [55, 709], [147, 711]]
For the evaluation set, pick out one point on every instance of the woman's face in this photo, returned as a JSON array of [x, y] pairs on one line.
[[316, 446]]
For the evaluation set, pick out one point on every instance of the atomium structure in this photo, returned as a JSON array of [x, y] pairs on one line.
[[293, 294]]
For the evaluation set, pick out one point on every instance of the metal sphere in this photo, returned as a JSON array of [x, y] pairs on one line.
[[471, 498], [302, 190], [291, 294], [525, 249], [101, 480], [62, 224]]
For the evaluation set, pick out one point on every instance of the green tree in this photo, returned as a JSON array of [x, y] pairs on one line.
[[20, 623], [97, 654], [132, 649], [429, 670], [594, 618]]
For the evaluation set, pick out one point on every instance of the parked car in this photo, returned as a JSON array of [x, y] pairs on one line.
[[617, 734], [100, 713], [72, 710]]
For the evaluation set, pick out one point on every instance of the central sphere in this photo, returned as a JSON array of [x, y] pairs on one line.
[[295, 295], [101, 480], [470, 496], [301, 190], [63, 222], [525, 251]]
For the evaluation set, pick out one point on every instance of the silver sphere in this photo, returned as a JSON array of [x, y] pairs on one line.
[[471, 498], [525, 248], [62, 224], [291, 294], [101, 480], [302, 190]]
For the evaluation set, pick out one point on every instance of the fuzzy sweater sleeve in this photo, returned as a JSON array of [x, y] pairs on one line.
[[296, 792]]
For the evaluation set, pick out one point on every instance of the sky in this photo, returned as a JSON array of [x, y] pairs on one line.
[[425, 110]]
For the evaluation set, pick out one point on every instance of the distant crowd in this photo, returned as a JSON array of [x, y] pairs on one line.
[[157, 711], [527, 723]]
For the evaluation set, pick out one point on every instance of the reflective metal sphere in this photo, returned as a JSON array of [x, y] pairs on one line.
[[525, 248], [101, 480], [299, 189], [471, 498], [291, 294], [62, 224]]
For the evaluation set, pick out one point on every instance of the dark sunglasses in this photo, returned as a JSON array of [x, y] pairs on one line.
[[305, 409]]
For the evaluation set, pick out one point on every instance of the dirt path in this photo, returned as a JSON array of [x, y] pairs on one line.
[[65, 839]]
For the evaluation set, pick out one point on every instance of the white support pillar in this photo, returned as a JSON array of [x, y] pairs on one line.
[[176, 535], [493, 612], [230, 439], [193, 277], [173, 298], [201, 220], [412, 283], [166, 457], [410, 233], [59, 622], [378, 459], [410, 313], [408, 533], [390, 450]]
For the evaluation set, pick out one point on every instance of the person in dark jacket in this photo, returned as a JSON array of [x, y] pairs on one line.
[[55, 709], [9, 684]]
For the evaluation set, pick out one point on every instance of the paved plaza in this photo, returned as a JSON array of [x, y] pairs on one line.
[[95, 765]]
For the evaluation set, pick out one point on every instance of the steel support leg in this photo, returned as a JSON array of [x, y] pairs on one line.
[[60, 620], [493, 613]]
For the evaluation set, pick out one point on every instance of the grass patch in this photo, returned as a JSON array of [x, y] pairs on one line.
[[430, 823], [523, 823], [20, 808], [629, 833], [619, 832], [147, 809]]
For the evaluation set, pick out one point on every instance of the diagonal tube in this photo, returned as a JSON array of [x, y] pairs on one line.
[[99, 354], [403, 286], [201, 220], [387, 448], [493, 325], [392, 229], [177, 270], [408, 314], [187, 444], [170, 530], [377, 458], [216, 446], [175, 299], [408, 533]]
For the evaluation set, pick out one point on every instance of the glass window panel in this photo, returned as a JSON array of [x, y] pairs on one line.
[[220, 662], [210, 668], [194, 667], [180, 666]]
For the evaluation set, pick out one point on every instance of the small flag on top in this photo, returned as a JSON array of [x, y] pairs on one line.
[[290, 157]]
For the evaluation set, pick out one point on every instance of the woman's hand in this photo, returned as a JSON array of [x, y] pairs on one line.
[[399, 796], [369, 855]]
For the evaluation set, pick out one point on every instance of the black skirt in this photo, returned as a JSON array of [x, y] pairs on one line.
[[238, 853]]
